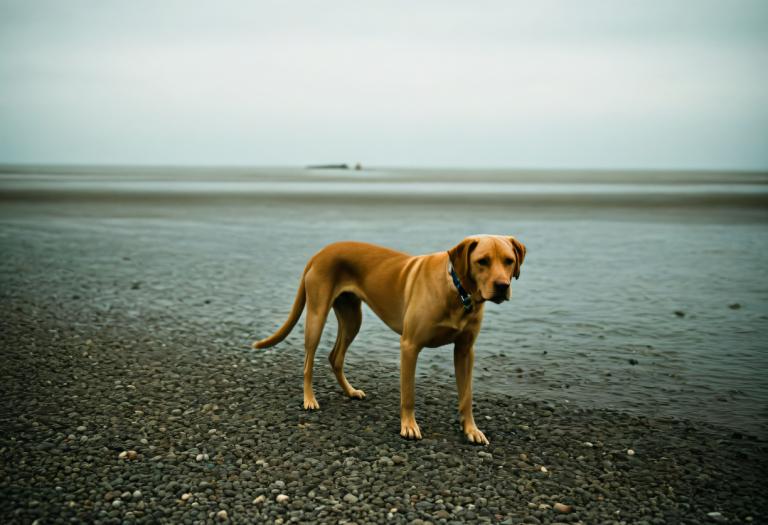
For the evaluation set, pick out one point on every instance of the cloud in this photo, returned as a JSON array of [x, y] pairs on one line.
[[622, 84]]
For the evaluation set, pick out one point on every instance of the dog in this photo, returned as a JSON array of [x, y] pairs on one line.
[[430, 300]]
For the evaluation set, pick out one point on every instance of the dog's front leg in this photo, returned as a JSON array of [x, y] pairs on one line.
[[463, 360], [409, 353]]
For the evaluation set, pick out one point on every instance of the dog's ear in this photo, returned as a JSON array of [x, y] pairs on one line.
[[459, 256], [519, 255]]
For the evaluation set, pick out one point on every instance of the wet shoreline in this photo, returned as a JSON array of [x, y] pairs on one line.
[[128, 322], [519, 188]]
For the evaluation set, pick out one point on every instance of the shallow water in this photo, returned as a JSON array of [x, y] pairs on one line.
[[592, 319]]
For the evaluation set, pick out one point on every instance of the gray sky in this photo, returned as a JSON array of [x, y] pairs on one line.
[[611, 84]]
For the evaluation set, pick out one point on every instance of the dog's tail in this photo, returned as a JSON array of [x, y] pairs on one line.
[[293, 318]]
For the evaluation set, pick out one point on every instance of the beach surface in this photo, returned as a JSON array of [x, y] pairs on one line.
[[130, 298]]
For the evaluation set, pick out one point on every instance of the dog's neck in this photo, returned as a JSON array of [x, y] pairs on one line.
[[464, 296]]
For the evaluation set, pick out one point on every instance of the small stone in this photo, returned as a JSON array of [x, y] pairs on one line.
[[633, 362], [116, 503], [588, 444], [679, 313], [398, 460], [563, 508], [259, 500], [81, 428], [630, 452], [199, 457], [350, 498], [132, 454], [716, 517], [222, 515], [123, 455], [136, 494], [186, 496], [282, 498], [544, 470]]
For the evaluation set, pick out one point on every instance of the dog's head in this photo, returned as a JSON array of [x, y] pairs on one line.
[[486, 265]]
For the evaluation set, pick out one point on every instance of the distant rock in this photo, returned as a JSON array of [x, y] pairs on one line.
[[328, 167]]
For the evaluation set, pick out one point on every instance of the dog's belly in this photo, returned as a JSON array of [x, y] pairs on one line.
[[394, 323], [442, 336], [391, 316]]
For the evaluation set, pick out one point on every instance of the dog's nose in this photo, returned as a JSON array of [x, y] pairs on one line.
[[501, 287]]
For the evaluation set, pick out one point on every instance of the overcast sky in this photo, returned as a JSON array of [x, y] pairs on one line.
[[582, 84]]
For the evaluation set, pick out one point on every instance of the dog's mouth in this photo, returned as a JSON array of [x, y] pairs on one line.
[[497, 298]]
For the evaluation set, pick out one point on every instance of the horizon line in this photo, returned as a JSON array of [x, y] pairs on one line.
[[6, 166]]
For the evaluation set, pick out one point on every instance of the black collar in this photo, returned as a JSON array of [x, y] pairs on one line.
[[466, 299]]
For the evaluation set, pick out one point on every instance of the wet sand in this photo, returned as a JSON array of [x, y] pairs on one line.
[[128, 318], [725, 193]]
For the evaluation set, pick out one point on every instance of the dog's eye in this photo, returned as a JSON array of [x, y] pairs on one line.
[[508, 261], [485, 261]]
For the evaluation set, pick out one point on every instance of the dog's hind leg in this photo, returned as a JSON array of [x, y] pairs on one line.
[[318, 305], [348, 309]]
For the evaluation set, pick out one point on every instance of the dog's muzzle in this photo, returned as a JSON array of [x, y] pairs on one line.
[[500, 292]]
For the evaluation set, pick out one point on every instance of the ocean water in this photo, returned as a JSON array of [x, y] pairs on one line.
[[651, 309]]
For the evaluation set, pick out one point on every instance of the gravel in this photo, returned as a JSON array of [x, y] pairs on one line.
[[129, 394], [120, 420]]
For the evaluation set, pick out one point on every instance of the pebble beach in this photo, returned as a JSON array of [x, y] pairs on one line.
[[108, 422], [129, 393]]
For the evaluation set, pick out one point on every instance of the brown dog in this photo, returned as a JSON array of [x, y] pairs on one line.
[[430, 300]]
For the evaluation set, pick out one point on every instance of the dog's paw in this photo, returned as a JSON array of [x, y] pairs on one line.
[[357, 394], [410, 429], [474, 435], [311, 404]]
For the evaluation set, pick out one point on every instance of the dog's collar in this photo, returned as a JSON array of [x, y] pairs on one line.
[[466, 299]]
